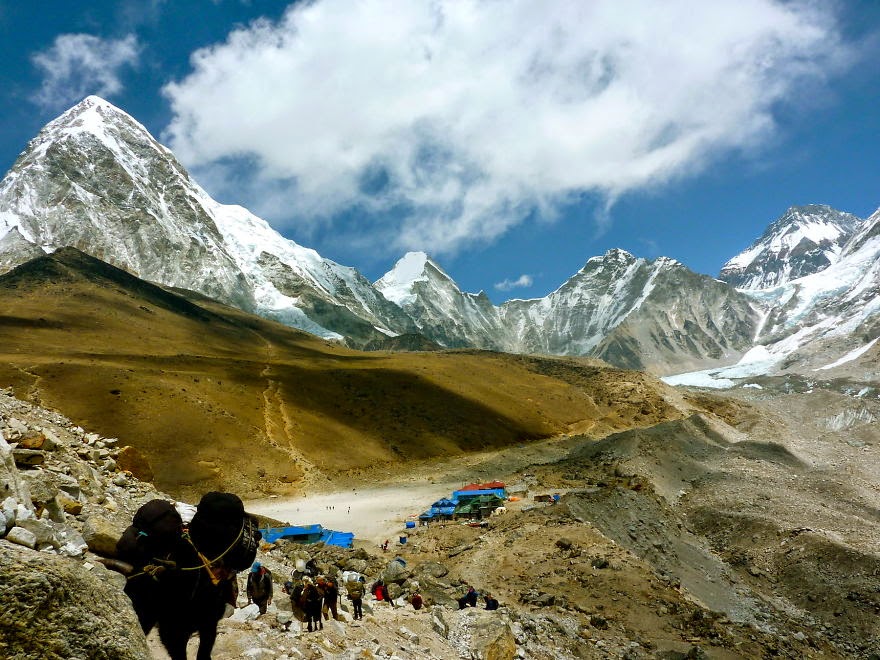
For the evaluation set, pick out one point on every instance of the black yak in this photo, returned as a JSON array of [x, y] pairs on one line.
[[183, 577]]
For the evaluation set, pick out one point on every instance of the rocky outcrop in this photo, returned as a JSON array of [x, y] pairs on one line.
[[54, 608]]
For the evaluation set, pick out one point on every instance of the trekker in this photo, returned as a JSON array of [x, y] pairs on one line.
[[259, 586], [311, 604], [491, 602], [356, 589], [469, 599], [378, 590], [297, 603], [416, 600], [331, 596]]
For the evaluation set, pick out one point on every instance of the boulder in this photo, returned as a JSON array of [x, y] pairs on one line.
[[52, 607], [67, 484], [32, 440], [435, 593], [21, 536], [69, 505], [432, 568], [43, 531], [28, 457], [40, 485], [101, 535], [11, 484], [395, 572], [131, 460], [492, 637]]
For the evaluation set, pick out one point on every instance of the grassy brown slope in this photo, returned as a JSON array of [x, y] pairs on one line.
[[217, 398]]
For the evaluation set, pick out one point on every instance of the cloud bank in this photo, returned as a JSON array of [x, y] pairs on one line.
[[440, 123], [77, 65]]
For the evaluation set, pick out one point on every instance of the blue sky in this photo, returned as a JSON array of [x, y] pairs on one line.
[[511, 141]]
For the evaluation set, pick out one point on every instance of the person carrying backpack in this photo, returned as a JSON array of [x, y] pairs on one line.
[[331, 596], [311, 604], [259, 586], [356, 589]]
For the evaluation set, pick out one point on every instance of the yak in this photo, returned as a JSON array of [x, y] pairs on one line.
[[182, 577]]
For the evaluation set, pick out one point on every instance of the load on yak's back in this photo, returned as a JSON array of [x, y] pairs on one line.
[[180, 577]]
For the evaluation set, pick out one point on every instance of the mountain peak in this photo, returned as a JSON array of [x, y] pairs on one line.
[[396, 285], [803, 240]]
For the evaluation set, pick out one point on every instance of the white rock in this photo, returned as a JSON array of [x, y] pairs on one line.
[[9, 507], [22, 512], [21, 536], [249, 613]]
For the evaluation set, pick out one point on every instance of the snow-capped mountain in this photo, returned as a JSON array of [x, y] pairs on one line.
[[442, 312], [808, 290], [636, 313], [803, 241], [818, 322], [832, 304], [629, 311], [96, 179]]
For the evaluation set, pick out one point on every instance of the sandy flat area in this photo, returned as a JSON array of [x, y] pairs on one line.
[[379, 511], [373, 513]]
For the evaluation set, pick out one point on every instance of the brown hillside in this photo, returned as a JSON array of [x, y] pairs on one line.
[[216, 398]]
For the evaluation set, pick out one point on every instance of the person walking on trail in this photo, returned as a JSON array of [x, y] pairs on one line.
[[259, 586], [356, 589], [294, 588], [416, 601], [311, 604], [331, 596]]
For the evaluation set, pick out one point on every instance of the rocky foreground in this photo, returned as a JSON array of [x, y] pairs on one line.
[[656, 551]]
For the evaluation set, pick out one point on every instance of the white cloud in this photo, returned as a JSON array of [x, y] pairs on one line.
[[447, 122], [520, 282], [77, 65]]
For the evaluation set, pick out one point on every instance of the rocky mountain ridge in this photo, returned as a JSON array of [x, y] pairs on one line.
[[95, 179]]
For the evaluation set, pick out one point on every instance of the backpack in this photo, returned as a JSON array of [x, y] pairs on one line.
[[355, 589], [154, 531], [221, 530]]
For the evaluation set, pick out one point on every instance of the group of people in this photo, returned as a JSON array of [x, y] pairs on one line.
[[471, 597], [315, 597]]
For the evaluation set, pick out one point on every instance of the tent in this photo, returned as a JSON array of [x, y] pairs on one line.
[[308, 534], [442, 508], [479, 506]]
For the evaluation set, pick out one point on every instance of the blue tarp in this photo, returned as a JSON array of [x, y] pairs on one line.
[[342, 539], [303, 533], [308, 534], [464, 494]]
